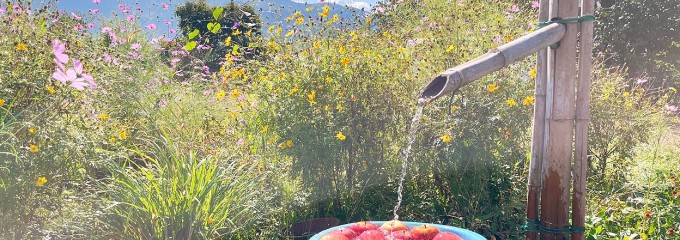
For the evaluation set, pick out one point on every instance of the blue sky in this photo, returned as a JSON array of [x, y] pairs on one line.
[[151, 11]]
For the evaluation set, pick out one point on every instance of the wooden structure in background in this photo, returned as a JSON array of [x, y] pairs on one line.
[[561, 113]]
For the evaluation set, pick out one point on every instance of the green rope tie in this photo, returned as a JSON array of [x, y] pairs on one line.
[[535, 226], [584, 18]]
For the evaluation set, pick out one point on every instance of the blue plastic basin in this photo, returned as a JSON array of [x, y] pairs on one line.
[[463, 233]]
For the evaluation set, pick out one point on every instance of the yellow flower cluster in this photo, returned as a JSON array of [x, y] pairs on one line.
[[492, 87], [446, 138], [325, 10], [286, 144], [41, 181], [529, 100], [511, 102]]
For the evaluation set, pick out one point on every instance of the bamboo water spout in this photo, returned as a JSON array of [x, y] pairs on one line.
[[461, 75]]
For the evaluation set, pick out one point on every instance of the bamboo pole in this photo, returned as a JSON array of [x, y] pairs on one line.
[[461, 75], [557, 166], [582, 118], [538, 130]]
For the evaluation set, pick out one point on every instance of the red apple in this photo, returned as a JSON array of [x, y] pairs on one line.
[[394, 225], [446, 236], [334, 236], [424, 232], [372, 235], [401, 235], [360, 227], [349, 233]]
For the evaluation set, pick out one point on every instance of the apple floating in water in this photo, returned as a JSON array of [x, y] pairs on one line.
[[372, 235], [392, 226], [424, 232], [349, 233], [360, 227], [334, 236], [446, 236]]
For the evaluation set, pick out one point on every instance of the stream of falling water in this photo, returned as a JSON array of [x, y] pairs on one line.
[[404, 164]]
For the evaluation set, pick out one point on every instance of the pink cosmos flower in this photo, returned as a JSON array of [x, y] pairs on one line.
[[514, 8], [172, 31], [151, 26], [174, 61], [58, 49], [74, 77], [535, 4], [136, 46], [106, 29], [90, 25], [135, 56], [94, 11], [107, 58], [167, 21], [78, 27], [131, 18], [497, 39], [671, 108], [96, 1], [17, 9], [165, 6], [205, 69], [76, 17], [78, 67]]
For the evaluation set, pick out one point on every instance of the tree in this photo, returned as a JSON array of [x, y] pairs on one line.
[[239, 24], [641, 35]]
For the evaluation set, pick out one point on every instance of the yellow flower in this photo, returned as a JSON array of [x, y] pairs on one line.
[[369, 20], [293, 91], [227, 41], [236, 32], [21, 47], [299, 20], [33, 148], [271, 28], [342, 50], [41, 181], [345, 61], [249, 32], [450, 48], [2, 102], [509, 38], [103, 116], [492, 87], [339, 108], [529, 100], [329, 79], [316, 44], [286, 144], [112, 140], [311, 96], [511, 102], [234, 94], [289, 34], [353, 35], [673, 89], [210, 220], [32, 130], [532, 73], [454, 108], [221, 94], [123, 135], [50, 89], [341, 136], [309, 9], [447, 138], [334, 19], [325, 10], [265, 128], [278, 31]]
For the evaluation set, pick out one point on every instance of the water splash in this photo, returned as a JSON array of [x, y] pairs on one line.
[[404, 164]]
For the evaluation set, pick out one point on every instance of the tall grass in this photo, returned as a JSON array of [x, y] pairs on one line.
[[171, 194]]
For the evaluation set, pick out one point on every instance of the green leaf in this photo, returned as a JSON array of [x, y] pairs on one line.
[[210, 26], [217, 12], [190, 45], [217, 28], [193, 34]]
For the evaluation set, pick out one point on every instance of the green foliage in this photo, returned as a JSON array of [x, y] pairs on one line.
[[214, 25], [177, 194], [641, 35], [613, 132]]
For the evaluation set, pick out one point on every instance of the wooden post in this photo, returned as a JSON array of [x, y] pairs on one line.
[[578, 214], [538, 134], [560, 101]]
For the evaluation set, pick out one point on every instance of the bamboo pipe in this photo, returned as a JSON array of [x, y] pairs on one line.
[[578, 214], [538, 130], [560, 114], [461, 75]]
